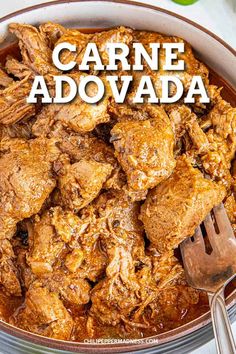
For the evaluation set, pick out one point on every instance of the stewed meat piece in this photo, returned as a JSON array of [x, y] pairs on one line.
[[73, 290], [174, 304], [5, 80], [119, 223], [26, 179], [101, 39], [223, 118], [21, 130], [25, 182], [81, 182], [115, 297], [61, 240], [52, 32], [178, 205], [9, 275], [18, 69], [45, 244], [13, 105], [222, 142], [192, 65], [75, 261], [43, 313], [55, 255], [34, 50], [80, 147], [78, 115], [145, 149]]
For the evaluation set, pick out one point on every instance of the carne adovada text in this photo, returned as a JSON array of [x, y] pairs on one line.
[[96, 198], [119, 52]]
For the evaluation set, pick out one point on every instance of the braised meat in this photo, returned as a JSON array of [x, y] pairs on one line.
[[9, 278], [45, 244], [115, 296], [21, 130], [86, 148], [55, 256], [18, 69], [95, 198], [145, 149], [26, 179], [5, 80], [81, 182], [78, 116], [52, 32], [43, 313], [73, 290], [34, 50], [62, 243], [73, 36], [222, 141], [192, 65], [178, 205], [13, 105]]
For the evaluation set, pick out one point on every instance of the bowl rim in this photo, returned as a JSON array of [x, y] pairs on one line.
[[166, 337]]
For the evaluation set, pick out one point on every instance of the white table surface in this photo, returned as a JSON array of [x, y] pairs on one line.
[[218, 16]]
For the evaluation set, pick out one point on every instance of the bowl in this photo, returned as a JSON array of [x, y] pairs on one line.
[[211, 50]]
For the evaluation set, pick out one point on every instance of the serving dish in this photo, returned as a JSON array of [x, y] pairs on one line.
[[209, 49]]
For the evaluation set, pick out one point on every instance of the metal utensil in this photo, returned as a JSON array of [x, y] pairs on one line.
[[211, 271]]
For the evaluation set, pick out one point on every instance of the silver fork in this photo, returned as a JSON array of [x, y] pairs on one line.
[[211, 272]]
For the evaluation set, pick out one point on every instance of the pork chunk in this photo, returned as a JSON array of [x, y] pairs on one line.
[[25, 183], [81, 183], [52, 32], [222, 142], [78, 115], [53, 241], [223, 118], [21, 130], [63, 245], [73, 290], [145, 149], [13, 105], [25, 179], [48, 236], [216, 146], [115, 297], [192, 65], [119, 222], [5, 80], [178, 205], [87, 147], [101, 39], [44, 244], [43, 313], [34, 50], [174, 303], [9, 276], [18, 69], [117, 206]]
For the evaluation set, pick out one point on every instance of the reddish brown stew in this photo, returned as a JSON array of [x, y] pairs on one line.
[[158, 322]]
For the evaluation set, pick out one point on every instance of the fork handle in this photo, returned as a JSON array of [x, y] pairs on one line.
[[221, 325]]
